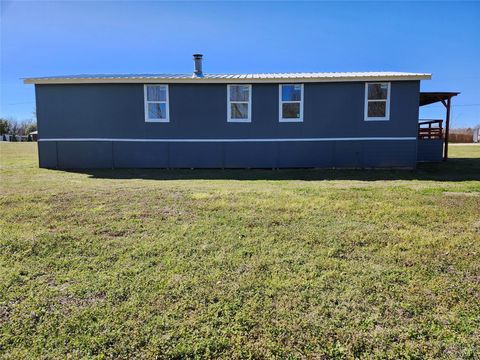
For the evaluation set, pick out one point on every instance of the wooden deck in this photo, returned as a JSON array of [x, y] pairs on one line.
[[430, 129]]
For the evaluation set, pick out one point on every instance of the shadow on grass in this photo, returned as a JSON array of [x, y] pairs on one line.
[[457, 169]]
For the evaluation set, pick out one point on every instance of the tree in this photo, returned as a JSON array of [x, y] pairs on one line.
[[14, 127], [11, 126], [5, 126], [30, 128]]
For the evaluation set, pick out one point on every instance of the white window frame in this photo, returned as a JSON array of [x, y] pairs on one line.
[[146, 102], [229, 110], [281, 102], [387, 102]]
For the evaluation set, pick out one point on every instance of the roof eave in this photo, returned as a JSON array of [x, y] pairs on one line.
[[221, 80]]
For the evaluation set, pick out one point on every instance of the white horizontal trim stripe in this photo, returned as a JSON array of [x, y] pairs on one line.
[[405, 138]]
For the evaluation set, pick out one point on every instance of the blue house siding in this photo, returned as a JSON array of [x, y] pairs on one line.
[[199, 111]]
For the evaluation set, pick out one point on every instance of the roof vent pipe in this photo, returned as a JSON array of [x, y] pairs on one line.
[[198, 65]]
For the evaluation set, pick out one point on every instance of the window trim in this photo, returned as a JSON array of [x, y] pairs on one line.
[[146, 102], [387, 102], [249, 102], [281, 102]]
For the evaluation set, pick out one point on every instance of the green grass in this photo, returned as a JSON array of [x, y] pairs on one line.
[[239, 264]]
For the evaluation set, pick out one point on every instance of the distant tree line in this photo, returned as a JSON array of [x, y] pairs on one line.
[[16, 128], [461, 135]]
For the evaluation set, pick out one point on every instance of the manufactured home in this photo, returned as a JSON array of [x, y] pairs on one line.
[[281, 120]]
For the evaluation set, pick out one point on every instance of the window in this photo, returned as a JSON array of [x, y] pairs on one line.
[[239, 103], [156, 103], [291, 103], [377, 101]]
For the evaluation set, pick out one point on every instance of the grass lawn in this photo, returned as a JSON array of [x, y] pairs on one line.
[[239, 264]]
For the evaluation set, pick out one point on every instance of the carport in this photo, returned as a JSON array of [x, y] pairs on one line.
[[433, 138]]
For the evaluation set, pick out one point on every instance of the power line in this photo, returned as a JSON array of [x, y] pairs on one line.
[[19, 103]]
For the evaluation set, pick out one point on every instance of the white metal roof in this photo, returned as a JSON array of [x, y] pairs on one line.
[[229, 78]]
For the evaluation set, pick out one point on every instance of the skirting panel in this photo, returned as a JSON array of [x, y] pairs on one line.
[[430, 150], [304, 154], [47, 155]]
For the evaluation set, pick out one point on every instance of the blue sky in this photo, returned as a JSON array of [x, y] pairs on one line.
[[58, 38]]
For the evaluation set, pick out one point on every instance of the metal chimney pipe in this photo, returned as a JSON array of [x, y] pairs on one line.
[[198, 65]]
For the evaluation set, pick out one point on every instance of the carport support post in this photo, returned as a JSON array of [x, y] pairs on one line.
[[447, 127]]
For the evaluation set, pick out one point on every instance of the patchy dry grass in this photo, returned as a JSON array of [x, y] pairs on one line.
[[239, 264]]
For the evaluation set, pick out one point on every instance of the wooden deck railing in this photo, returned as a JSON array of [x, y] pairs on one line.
[[430, 129]]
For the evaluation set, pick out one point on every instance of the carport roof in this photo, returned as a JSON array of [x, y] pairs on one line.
[[427, 98]]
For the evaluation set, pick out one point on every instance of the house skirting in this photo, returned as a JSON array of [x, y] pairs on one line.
[[430, 150], [378, 152]]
